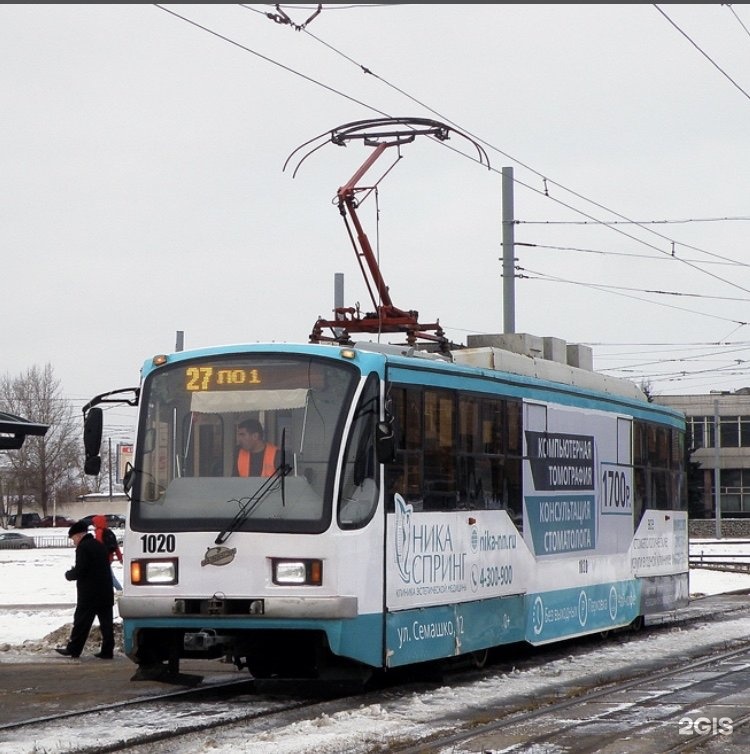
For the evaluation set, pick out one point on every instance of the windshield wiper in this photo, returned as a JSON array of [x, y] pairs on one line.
[[255, 500], [283, 463]]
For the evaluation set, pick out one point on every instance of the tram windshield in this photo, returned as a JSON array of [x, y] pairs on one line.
[[250, 434]]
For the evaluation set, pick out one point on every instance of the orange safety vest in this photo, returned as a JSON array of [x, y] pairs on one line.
[[269, 461]]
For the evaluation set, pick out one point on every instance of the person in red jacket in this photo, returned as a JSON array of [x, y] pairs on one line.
[[107, 537]]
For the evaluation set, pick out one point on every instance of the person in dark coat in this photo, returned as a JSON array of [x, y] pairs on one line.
[[95, 598]]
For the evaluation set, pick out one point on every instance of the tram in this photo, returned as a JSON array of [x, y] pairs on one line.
[[423, 507], [423, 501]]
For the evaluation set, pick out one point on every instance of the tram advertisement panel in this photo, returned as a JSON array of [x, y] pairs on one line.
[[577, 482], [660, 544], [436, 558]]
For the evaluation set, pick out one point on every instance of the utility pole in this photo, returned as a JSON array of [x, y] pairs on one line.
[[338, 299], [509, 290], [717, 470], [110, 468]]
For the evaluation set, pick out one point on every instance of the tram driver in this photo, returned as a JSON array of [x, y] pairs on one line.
[[255, 456]]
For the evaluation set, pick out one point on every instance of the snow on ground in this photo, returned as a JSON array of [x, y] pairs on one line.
[[36, 577], [30, 578]]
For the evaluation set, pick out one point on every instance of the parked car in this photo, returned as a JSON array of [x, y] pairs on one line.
[[14, 540], [27, 521], [56, 521], [114, 520]]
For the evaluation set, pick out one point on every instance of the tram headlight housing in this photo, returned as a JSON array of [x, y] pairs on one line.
[[294, 572], [153, 571]]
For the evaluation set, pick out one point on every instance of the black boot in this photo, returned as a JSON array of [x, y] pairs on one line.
[[65, 652]]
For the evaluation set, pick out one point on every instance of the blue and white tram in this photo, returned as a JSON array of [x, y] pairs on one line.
[[423, 508]]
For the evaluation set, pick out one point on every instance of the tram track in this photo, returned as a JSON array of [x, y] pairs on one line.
[[163, 722], [160, 717], [672, 710]]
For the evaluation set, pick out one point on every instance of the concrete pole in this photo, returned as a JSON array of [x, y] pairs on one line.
[[110, 467], [509, 290], [717, 470], [338, 298], [338, 290], [180, 341]]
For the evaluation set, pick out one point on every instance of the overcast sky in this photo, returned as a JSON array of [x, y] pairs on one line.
[[142, 147]]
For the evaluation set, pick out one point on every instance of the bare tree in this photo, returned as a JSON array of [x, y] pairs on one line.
[[43, 464], [648, 390]]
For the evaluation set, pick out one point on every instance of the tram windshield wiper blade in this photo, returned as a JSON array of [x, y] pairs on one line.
[[254, 501], [282, 461]]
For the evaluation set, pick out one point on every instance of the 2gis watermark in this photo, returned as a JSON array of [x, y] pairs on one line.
[[701, 726]]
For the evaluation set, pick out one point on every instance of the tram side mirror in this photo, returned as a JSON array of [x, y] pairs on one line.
[[92, 441], [128, 478], [92, 465], [385, 442]]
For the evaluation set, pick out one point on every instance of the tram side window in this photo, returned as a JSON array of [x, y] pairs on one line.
[[661, 489], [487, 476], [640, 485], [359, 488], [658, 474], [424, 472], [670, 465], [480, 459], [513, 411], [404, 475], [440, 492], [678, 464], [679, 490], [455, 451]]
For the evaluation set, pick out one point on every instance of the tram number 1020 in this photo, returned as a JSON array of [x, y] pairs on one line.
[[616, 491], [157, 543]]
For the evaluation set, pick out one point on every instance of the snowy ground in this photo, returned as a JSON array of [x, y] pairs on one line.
[[29, 578], [36, 577]]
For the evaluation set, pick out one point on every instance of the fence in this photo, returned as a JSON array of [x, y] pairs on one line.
[[52, 540], [61, 540], [721, 555]]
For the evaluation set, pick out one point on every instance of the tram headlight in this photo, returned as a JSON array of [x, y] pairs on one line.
[[162, 571], [288, 572]]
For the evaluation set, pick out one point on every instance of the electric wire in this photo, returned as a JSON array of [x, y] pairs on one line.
[[615, 292], [546, 181], [733, 12], [705, 55]]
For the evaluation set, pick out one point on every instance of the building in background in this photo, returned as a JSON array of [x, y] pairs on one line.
[[729, 413]]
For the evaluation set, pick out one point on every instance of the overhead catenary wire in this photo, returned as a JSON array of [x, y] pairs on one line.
[[545, 192], [705, 55], [546, 182], [607, 252], [615, 292], [734, 13]]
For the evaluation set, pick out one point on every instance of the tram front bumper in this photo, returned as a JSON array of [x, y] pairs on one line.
[[324, 608]]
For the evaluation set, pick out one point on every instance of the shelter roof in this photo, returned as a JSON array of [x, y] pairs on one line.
[[14, 429]]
